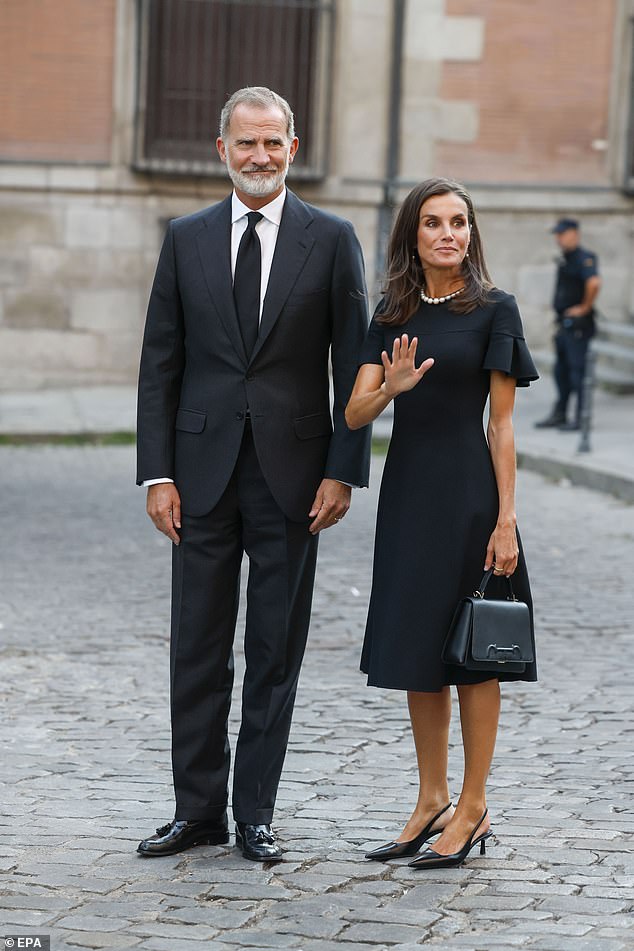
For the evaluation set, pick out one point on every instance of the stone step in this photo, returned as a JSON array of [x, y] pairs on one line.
[[614, 346], [616, 381], [615, 351], [612, 329]]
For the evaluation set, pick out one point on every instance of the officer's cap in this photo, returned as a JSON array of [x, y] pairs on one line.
[[565, 224]]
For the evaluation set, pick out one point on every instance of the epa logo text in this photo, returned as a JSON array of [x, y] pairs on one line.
[[34, 942]]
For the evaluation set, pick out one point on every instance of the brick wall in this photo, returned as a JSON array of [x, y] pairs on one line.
[[56, 59], [493, 90], [541, 91]]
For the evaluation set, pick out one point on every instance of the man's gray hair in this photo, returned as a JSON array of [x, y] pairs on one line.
[[261, 97]]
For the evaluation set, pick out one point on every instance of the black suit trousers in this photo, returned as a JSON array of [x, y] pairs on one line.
[[205, 591], [571, 351]]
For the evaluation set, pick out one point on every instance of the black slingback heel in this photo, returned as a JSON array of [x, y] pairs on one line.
[[398, 850], [431, 859]]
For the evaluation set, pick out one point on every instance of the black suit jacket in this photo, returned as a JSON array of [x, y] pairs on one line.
[[195, 380]]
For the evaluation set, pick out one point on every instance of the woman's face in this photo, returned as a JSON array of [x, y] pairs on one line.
[[443, 232]]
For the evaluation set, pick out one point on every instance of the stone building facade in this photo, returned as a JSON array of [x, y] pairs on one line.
[[530, 104]]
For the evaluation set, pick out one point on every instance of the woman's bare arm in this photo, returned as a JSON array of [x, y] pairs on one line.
[[376, 385], [503, 549]]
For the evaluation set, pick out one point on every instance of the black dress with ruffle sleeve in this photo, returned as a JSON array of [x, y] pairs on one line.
[[439, 501]]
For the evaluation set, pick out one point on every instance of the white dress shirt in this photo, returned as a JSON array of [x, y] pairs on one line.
[[267, 230]]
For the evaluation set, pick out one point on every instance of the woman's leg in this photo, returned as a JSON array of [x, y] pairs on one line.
[[479, 715], [430, 714]]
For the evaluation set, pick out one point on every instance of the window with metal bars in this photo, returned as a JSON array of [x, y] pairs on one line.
[[194, 53], [629, 159]]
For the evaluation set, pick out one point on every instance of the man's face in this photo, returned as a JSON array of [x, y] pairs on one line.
[[568, 239], [257, 150]]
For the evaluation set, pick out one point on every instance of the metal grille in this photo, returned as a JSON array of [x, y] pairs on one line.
[[629, 161], [194, 53]]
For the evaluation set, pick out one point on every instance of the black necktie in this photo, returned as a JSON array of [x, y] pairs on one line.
[[246, 283]]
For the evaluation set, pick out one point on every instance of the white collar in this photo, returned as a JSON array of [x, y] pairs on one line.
[[272, 212]]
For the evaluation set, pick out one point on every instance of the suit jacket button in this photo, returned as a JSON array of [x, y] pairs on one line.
[[239, 415], [250, 377]]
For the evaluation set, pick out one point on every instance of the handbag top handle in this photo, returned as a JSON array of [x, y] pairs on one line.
[[479, 592]]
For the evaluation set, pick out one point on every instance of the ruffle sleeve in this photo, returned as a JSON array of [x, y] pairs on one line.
[[507, 350]]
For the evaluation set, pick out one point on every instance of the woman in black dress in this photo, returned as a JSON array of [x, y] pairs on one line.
[[441, 342]]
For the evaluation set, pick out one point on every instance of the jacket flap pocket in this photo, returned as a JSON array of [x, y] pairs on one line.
[[317, 424], [190, 421]]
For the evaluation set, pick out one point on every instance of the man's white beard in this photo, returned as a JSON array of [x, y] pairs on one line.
[[256, 185]]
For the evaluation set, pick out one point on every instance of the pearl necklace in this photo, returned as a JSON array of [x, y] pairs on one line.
[[439, 300]]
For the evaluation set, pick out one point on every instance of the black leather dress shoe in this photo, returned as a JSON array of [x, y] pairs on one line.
[[180, 834], [573, 426], [257, 842], [554, 420]]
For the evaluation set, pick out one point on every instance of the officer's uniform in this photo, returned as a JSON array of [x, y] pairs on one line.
[[573, 333]]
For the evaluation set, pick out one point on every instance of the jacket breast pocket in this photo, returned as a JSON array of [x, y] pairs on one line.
[[306, 295], [308, 301], [309, 427], [190, 421]]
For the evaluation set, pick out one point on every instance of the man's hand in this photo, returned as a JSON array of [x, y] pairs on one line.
[[331, 504], [164, 508], [577, 311]]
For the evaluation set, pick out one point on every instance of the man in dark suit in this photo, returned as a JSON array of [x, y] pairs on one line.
[[240, 453]]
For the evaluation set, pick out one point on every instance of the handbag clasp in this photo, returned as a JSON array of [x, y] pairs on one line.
[[494, 649]]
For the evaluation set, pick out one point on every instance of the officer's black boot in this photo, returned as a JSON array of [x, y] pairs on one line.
[[557, 418], [574, 425]]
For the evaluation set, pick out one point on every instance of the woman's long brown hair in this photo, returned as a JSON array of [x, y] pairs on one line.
[[405, 276]]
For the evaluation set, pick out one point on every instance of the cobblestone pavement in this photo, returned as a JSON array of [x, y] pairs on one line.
[[83, 609]]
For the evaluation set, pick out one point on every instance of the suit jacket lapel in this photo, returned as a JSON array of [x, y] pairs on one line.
[[291, 251], [214, 248]]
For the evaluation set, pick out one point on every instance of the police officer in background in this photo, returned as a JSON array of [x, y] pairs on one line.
[[576, 290]]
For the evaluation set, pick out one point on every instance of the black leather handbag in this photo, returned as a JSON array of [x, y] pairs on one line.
[[490, 635]]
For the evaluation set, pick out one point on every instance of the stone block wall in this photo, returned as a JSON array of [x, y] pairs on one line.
[[76, 269], [73, 281], [79, 242], [522, 253]]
